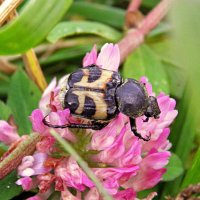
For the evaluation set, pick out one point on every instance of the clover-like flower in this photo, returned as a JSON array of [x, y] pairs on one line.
[[124, 164]]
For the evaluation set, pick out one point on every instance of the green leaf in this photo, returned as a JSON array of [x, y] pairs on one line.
[[3, 148], [23, 98], [32, 25], [160, 29], [66, 29], [5, 111], [98, 12], [182, 137], [193, 175], [174, 168], [67, 53], [163, 48], [8, 187], [4, 83], [177, 79], [144, 62], [150, 4]]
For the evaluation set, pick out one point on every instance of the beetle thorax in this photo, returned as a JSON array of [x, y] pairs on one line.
[[132, 98]]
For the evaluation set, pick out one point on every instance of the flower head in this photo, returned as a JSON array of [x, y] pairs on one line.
[[124, 164]]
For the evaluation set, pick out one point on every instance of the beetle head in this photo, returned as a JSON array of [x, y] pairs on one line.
[[153, 109]]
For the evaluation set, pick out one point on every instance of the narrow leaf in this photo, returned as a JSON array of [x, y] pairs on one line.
[[185, 18], [177, 79], [68, 53], [144, 62], [8, 187], [160, 29], [5, 111], [23, 97], [150, 4], [174, 168], [193, 175], [98, 12], [32, 25], [66, 29]]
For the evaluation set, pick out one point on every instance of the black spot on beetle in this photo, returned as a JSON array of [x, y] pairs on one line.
[[94, 74], [89, 107]]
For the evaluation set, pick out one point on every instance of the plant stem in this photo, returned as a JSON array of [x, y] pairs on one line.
[[7, 8], [33, 69], [14, 156], [83, 164], [135, 37], [7, 67], [133, 16], [134, 5]]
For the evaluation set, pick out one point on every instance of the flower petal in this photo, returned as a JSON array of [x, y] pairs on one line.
[[36, 119], [105, 137], [128, 194], [45, 100], [150, 172], [109, 57], [90, 58], [8, 134], [72, 175], [25, 182], [33, 165], [93, 194]]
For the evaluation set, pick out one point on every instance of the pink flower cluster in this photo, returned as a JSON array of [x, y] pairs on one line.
[[124, 164]]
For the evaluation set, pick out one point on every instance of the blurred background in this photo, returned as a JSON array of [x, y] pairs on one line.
[[169, 57]]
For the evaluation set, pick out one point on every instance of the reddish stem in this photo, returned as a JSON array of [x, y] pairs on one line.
[[133, 15], [134, 5], [13, 157], [135, 37]]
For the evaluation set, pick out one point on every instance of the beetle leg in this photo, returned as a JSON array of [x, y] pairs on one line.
[[134, 130], [93, 125], [146, 120]]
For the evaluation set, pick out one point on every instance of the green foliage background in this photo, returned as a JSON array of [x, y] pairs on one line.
[[63, 31]]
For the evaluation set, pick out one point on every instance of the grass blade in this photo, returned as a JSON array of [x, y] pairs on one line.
[[82, 163], [66, 29], [193, 175], [98, 12]]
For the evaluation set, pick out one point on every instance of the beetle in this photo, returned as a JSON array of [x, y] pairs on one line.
[[99, 95]]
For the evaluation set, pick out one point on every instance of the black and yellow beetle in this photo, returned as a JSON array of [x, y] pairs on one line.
[[99, 95]]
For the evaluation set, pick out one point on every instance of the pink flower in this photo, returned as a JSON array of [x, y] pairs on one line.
[[90, 58], [50, 99], [127, 194], [8, 134], [109, 57], [41, 196], [124, 164], [33, 165], [72, 175], [58, 117], [150, 172], [25, 182], [93, 194]]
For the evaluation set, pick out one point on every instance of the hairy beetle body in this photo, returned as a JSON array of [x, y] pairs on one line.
[[91, 93], [99, 95]]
